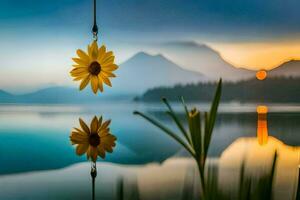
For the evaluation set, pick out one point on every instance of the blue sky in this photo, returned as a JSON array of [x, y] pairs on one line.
[[250, 19], [40, 36]]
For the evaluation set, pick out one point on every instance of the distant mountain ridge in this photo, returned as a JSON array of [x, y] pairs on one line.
[[143, 71], [205, 59], [57, 95], [209, 62], [288, 69]]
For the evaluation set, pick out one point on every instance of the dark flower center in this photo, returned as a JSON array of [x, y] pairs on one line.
[[95, 68], [94, 139]]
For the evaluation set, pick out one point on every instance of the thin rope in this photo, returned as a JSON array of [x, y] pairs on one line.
[[95, 27], [93, 175]]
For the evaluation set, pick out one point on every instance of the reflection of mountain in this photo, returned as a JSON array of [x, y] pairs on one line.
[[290, 68], [204, 59], [144, 71], [5, 96]]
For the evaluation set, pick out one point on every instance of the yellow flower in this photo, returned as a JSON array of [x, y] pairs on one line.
[[95, 140], [193, 113], [96, 66]]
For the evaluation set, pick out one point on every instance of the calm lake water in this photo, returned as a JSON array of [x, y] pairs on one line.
[[36, 137], [37, 158]]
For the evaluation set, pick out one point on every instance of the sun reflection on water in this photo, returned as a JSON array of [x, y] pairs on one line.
[[262, 125]]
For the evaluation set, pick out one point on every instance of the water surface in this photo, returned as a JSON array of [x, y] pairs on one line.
[[36, 137]]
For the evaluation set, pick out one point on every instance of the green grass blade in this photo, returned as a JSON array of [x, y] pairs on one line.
[[195, 129], [269, 195], [185, 107], [167, 131], [212, 116], [176, 120], [242, 188]]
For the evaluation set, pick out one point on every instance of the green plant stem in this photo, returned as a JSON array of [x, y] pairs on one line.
[[202, 181]]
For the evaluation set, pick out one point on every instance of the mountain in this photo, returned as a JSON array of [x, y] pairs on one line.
[[204, 59], [144, 71], [290, 68], [55, 95], [5, 96], [135, 76]]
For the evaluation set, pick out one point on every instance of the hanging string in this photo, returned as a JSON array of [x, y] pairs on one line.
[[95, 27], [93, 175]]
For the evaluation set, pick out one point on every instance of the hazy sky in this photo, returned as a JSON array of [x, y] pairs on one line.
[[38, 37]]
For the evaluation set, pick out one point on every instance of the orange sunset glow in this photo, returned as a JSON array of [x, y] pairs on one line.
[[258, 55]]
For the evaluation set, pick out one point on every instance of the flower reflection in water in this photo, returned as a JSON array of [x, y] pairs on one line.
[[94, 140]]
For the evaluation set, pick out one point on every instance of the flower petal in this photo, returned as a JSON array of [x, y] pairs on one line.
[[100, 84], [94, 50], [77, 135], [94, 125], [81, 149], [100, 121], [101, 151], [78, 78], [84, 82], [84, 126], [88, 152], [80, 61], [78, 139], [112, 67], [76, 65], [108, 61], [108, 74], [78, 70], [83, 55], [89, 51], [93, 153], [106, 80], [105, 124], [108, 54], [82, 74], [103, 132], [81, 132], [108, 142], [94, 83], [101, 53]]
